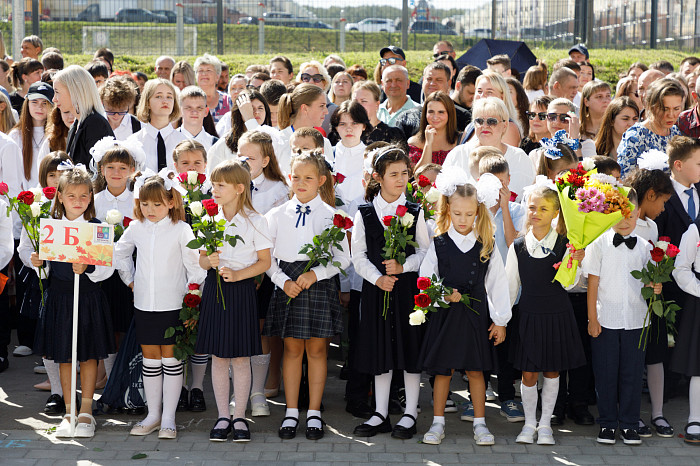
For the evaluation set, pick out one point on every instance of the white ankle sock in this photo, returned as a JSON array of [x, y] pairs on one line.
[[412, 384], [54, 376], [694, 404], [291, 412], [153, 389], [259, 365], [382, 387], [529, 397], [172, 384], [550, 390], [480, 426], [313, 422], [109, 363], [221, 385], [199, 368]]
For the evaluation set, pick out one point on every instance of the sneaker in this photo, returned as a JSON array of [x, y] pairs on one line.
[[512, 411], [468, 412], [606, 436], [39, 369], [545, 435], [630, 437], [490, 395], [527, 435], [22, 351]]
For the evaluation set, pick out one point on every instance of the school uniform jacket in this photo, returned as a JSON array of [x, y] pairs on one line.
[[82, 137]]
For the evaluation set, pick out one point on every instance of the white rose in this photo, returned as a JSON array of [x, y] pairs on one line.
[[196, 208], [671, 340], [416, 318], [588, 163], [340, 212], [37, 194], [407, 219], [196, 292], [433, 195], [662, 245], [36, 209], [113, 217], [192, 177]]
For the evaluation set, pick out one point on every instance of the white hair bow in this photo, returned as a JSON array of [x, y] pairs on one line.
[[540, 181], [141, 179], [171, 182], [448, 180], [68, 165], [101, 147], [488, 189], [653, 160], [367, 163]]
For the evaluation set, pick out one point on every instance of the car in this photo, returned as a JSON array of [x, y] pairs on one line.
[[138, 15], [372, 25], [248, 20], [313, 24], [172, 16], [28, 17], [278, 18], [430, 27]]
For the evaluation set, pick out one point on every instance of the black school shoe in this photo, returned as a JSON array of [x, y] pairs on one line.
[[557, 417], [665, 431], [241, 435], [404, 433], [55, 405], [692, 439], [606, 436], [366, 430], [197, 403], [288, 433], [314, 433], [183, 404], [359, 409], [630, 437], [643, 430], [220, 435], [580, 415]]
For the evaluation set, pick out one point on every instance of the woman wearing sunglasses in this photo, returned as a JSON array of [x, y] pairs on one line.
[[490, 117], [313, 72], [561, 114], [537, 117], [627, 87], [620, 115]]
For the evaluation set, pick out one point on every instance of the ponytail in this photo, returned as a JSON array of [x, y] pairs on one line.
[[290, 103]]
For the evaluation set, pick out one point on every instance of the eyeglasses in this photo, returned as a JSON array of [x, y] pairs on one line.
[[563, 117], [390, 61], [317, 78], [539, 115], [488, 121], [116, 113], [250, 86], [441, 54]]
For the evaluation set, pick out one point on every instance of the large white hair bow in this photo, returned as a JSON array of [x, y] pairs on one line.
[[653, 160], [488, 189], [447, 180], [101, 147], [67, 165], [540, 181]]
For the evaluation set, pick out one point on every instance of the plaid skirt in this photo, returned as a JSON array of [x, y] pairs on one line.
[[314, 313]]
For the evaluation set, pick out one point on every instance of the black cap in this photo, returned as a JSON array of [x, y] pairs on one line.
[[40, 90], [580, 48], [392, 49]]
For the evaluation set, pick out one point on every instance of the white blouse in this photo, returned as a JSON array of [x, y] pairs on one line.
[[7, 245], [206, 139], [363, 266], [290, 231], [164, 263], [349, 161], [495, 281], [124, 130], [148, 139], [255, 237], [688, 261], [268, 194], [106, 201], [18, 161]]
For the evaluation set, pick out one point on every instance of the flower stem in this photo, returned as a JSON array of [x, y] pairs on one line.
[[306, 269], [221, 292]]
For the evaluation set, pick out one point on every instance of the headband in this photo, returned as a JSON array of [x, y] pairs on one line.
[[560, 137]]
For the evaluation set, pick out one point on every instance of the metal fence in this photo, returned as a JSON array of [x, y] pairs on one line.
[[150, 27]]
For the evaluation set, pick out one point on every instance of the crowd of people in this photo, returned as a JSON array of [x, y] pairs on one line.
[[288, 154]]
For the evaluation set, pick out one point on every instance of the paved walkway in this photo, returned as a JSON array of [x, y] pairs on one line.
[[24, 438]]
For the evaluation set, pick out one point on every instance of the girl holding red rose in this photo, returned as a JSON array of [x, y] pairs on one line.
[[350, 122], [165, 265], [232, 335], [388, 343]]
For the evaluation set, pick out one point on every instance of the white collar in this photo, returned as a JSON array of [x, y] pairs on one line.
[[383, 204], [313, 203], [259, 180], [126, 120], [124, 196], [165, 132], [79, 219], [189, 135], [547, 242], [460, 239]]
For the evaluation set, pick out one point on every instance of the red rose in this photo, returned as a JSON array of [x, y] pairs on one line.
[[26, 196], [339, 178], [422, 300], [211, 207], [201, 178], [182, 177], [556, 266], [401, 210], [49, 192], [347, 223], [657, 254], [193, 286], [423, 283], [665, 238], [126, 221], [513, 196], [4, 189], [192, 300], [672, 251], [387, 220], [423, 181], [338, 220]]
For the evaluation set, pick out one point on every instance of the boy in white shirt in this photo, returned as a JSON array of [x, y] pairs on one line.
[[118, 96], [616, 314], [193, 103]]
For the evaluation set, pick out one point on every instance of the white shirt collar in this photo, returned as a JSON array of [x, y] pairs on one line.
[[463, 242], [383, 204], [547, 242], [189, 135], [126, 121], [258, 180], [313, 203], [165, 132], [124, 196]]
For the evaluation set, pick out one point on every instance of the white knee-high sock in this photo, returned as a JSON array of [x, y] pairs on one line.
[[529, 397], [109, 363], [694, 402], [153, 388], [199, 368], [412, 384], [221, 385], [259, 365], [655, 380], [550, 390], [54, 375], [172, 383], [241, 388], [382, 387]]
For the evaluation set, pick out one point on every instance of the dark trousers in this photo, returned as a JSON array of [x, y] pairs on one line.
[[506, 372], [576, 386], [26, 326], [618, 364], [358, 385], [5, 326]]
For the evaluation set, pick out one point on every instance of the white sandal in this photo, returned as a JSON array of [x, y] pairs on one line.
[[85, 429], [434, 437], [483, 437], [545, 436], [259, 409], [63, 429], [527, 435]]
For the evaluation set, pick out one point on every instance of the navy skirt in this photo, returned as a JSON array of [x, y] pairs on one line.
[[233, 332], [121, 302], [151, 326]]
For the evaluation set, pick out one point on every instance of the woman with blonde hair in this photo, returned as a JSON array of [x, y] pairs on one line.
[[491, 84], [341, 88], [182, 75], [313, 72]]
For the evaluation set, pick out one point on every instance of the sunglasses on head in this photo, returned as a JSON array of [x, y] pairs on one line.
[[563, 117], [317, 78], [487, 121], [390, 61], [539, 115]]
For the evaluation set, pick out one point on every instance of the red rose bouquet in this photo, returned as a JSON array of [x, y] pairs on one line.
[[426, 199], [658, 270], [319, 250], [196, 185], [31, 206], [189, 316], [396, 238], [210, 233], [432, 297]]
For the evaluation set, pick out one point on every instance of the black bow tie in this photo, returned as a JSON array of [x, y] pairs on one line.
[[618, 239]]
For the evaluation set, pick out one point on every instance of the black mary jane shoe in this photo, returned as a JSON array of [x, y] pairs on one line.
[[366, 430], [665, 431], [197, 403], [693, 439], [241, 435], [220, 435], [288, 433], [314, 433], [55, 405], [404, 433]]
